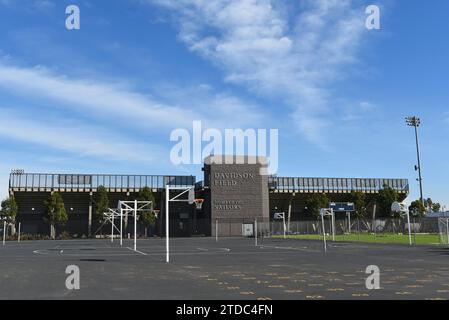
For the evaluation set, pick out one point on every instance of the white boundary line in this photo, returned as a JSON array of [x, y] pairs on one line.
[[304, 249], [135, 250], [43, 253]]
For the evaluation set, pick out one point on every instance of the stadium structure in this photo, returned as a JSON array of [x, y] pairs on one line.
[[238, 189]]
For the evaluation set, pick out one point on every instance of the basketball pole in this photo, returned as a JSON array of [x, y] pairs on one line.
[[167, 210], [190, 200], [112, 228], [409, 228], [324, 232], [333, 225], [402, 209], [121, 227], [135, 225]]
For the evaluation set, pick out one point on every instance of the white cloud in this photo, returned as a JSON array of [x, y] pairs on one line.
[[101, 114], [446, 117], [218, 110], [115, 100], [94, 96], [29, 4], [357, 112], [263, 46], [42, 4], [74, 138], [4, 183]]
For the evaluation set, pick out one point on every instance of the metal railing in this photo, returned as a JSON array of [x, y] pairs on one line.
[[93, 181], [336, 184]]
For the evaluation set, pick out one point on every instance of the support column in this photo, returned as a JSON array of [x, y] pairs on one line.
[[89, 223], [162, 213], [194, 221], [13, 223]]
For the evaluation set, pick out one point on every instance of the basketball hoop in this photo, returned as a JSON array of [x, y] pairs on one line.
[[199, 203]]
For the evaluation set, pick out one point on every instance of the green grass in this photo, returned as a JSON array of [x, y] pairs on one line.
[[418, 239]]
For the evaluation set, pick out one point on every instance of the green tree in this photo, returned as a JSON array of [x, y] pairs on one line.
[[314, 203], [358, 198], [428, 204], [417, 208], [55, 213], [9, 209], [147, 217], [101, 203], [385, 199], [436, 207]]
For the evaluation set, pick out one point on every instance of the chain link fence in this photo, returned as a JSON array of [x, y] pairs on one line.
[[443, 227], [423, 231]]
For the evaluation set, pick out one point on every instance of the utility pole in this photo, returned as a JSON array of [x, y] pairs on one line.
[[416, 122]]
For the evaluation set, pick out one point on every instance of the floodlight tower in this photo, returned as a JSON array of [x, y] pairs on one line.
[[416, 122]]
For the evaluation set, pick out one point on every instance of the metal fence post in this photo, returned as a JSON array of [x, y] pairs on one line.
[[414, 230], [358, 229], [447, 229], [255, 231], [4, 232]]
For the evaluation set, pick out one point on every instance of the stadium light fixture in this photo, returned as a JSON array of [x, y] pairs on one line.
[[415, 122]]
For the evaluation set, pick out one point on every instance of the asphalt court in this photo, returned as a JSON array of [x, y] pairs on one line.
[[232, 268]]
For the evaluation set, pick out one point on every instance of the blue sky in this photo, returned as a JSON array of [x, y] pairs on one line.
[[104, 99]]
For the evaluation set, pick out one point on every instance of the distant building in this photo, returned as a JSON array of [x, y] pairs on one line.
[[438, 215]]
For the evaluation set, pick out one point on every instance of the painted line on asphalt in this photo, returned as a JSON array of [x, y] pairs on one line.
[[143, 253]]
